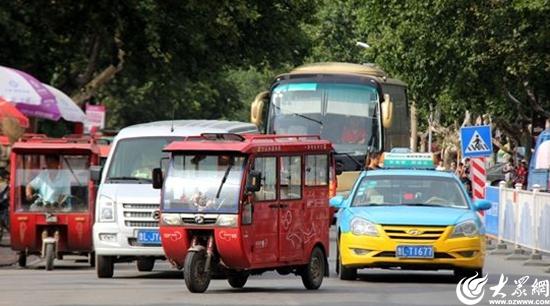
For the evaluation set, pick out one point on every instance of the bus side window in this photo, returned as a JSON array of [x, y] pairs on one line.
[[267, 166], [291, 177], [317, 170]]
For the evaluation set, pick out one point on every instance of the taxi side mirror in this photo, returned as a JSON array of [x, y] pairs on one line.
[[337, 201], [95, 173], [482, 205], [157, 178], [254, 181]]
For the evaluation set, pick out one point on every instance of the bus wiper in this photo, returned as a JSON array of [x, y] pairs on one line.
[[300, 115], [356, 161], [223, 180]]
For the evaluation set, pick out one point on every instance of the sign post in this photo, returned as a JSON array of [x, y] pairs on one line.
[[476, 143]]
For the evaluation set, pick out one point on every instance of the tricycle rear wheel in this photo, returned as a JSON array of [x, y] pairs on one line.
[[145, 264], [50, 256], [104, 266], [22, 259], [313, 273], [237, 280], [196, 277]]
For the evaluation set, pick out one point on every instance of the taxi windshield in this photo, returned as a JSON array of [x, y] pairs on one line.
[[203, 183], [409, 191], [52, 182]]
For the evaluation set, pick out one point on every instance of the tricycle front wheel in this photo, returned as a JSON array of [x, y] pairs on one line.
[[50, 256], [22, 259], [196, 277]]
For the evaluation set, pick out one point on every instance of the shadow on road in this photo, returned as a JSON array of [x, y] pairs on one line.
[[152, 275], [407, 277]]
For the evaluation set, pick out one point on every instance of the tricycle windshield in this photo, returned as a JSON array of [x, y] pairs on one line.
[[203, 183], [52, 182]]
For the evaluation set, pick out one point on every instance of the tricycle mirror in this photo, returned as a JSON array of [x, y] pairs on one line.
[[95, 173], [482, 205], [337, 201], [254, 181], [157, 178]]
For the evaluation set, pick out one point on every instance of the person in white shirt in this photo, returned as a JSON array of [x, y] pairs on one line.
[[52, 184]]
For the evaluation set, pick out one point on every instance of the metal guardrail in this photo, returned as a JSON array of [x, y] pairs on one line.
[[519, 217]]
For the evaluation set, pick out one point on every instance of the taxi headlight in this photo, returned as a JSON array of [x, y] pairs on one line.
[[106, 209], [362, 227], [467, 228], [227, 220], [171, 219]]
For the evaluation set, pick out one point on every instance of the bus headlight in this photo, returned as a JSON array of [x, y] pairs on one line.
[[467, 228], [362, 227], [171, 219], [106, 209], [227, 220]]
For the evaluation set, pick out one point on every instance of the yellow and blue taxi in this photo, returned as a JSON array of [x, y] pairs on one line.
[[409, 216]]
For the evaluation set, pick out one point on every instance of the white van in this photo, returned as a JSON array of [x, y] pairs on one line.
[[127, 206]]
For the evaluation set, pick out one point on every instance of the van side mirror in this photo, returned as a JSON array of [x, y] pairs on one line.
[[387, 112], [157, 178], [95, 173], [254, 181]]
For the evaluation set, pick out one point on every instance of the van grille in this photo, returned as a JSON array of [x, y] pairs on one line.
[[141, 223], [140, 214]]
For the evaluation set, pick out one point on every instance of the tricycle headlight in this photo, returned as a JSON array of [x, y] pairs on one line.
[[106, 209], [171, 219], [363, 227], [467, 228], [227, 220]]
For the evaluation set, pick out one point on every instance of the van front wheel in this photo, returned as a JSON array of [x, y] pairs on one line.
[[104, 266]]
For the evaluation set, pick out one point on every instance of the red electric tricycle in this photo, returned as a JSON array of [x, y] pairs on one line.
[[52, 197], [234, 205]]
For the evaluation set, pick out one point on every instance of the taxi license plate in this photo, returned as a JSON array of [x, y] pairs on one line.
[[414, 251], [148, 237]]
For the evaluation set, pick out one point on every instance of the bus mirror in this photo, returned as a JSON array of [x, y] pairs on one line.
[[157, 178], [95, 173], [387, 112], [257, 108], [254, 181]]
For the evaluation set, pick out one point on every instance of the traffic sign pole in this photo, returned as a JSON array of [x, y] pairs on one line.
[[479, 177]]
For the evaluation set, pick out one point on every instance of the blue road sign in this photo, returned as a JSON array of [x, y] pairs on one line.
[[476, 141]]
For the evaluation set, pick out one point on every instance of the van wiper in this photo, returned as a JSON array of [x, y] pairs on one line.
[[223, 180], [129, 178]]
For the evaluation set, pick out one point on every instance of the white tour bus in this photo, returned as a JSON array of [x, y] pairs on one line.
[[127, 206]]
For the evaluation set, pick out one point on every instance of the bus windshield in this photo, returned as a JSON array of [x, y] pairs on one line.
[[203, 183], [344, 113]]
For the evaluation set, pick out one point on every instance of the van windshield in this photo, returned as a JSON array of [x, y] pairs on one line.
[[134, 160], [203, 183]]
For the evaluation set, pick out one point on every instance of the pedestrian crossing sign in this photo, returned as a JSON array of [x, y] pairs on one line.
[[476, 141]]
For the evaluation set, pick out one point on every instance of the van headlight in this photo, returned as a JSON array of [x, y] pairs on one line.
[[362, 227], [106, 209], [467, 228], [227, 220]]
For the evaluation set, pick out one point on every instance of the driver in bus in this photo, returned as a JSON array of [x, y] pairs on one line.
[[354, 132], [51, 185]]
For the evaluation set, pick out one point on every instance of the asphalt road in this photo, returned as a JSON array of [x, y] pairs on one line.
[[74, 283]]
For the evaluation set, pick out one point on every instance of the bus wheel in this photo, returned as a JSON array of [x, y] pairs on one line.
[[50, 256], [104, 266], [237, 280], [145, 264], [22, 259], [196, 277], [313, 273]]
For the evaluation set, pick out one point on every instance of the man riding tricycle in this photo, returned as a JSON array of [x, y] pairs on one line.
[[52, 197], [233, 206]]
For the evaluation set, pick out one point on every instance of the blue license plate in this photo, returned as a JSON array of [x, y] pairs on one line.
[[414, 251], [148, 237]]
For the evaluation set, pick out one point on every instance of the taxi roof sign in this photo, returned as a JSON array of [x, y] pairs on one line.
[[409, 161]]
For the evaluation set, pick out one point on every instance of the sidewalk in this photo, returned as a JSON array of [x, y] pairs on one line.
[[7, 256]]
